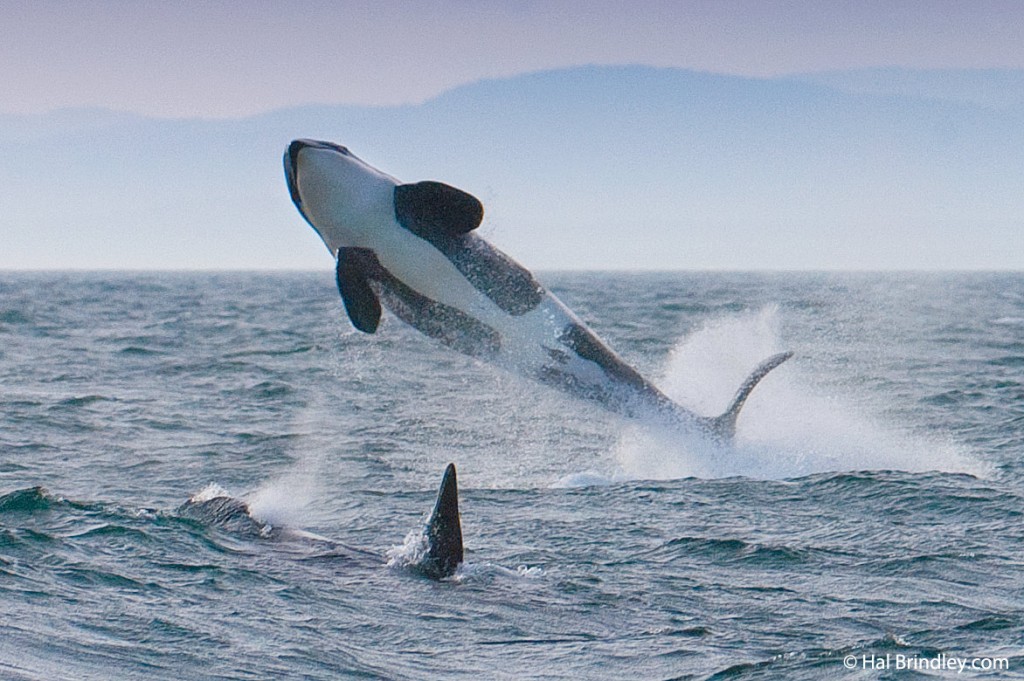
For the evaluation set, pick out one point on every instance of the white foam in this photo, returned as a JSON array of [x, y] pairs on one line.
[[584, 479], [470, 571], [1008, 321], [788, 428], [211, 491], [411, 553]]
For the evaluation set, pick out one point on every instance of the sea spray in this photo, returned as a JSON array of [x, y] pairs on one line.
[[289, 497], [413, 550], [790, 427]]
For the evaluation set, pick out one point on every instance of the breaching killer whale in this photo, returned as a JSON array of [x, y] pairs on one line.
[[412, 247], [442, 532]]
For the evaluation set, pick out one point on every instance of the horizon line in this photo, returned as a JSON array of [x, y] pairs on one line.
[[554, 270]]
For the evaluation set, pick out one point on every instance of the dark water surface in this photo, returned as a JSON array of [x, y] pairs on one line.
[[871, 510]]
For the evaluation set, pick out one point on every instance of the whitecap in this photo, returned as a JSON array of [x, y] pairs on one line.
[[211, 491], [1008, 321], [583, 479]]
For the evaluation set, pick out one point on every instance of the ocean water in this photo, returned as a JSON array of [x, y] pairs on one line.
[[868, 523]]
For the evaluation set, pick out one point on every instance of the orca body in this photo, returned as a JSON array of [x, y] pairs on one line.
[[412, 249], [442, 532], [224, 512]]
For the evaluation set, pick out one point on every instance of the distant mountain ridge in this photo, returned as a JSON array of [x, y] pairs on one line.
[[990, 88], [598, 167]]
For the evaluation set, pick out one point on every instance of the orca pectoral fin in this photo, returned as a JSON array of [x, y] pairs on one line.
[[444, 530], [434, 209], [361, 302]]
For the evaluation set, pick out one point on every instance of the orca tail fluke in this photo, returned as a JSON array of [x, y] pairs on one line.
[[444, 530], [723, 427]]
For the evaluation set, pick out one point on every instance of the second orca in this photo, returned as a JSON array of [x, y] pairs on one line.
[[442, 552]]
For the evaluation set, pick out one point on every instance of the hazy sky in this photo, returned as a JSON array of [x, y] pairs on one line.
[[234, 58], [226, 58]]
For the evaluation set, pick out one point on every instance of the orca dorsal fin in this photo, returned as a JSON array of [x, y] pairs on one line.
[[361, 302], [444, 530], [431, 209]]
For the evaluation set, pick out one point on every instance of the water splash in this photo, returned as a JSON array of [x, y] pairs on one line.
[[411, 553], [490, 572], [415, 547], [279, 502], [211, 491], [292, 497], [788, 428]]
